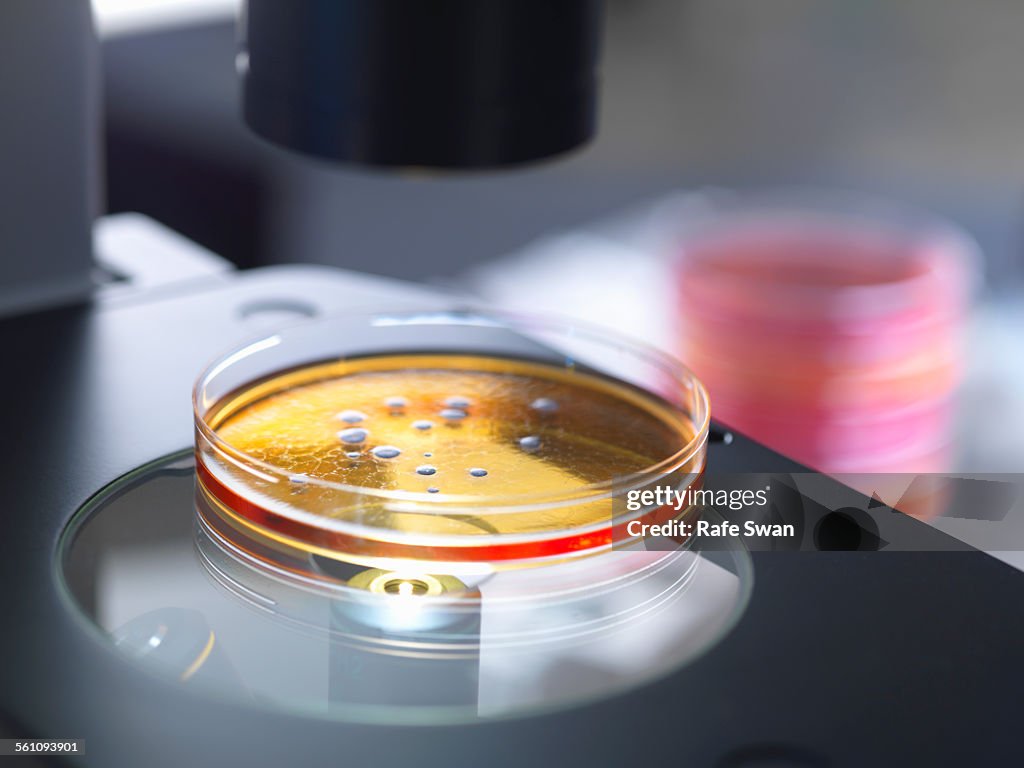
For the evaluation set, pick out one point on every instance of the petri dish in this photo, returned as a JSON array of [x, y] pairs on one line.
[[471, 441], [829, 326]]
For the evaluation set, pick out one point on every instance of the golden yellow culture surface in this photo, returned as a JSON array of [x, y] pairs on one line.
[[450, 426]]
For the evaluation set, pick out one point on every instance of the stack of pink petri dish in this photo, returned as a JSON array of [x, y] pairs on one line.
[[830, 331]]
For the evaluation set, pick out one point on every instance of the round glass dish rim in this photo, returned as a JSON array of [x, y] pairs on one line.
[[567, 327], [376, 714], [842, 210]]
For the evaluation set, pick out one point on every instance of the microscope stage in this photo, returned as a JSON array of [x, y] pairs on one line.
[[108, 392]]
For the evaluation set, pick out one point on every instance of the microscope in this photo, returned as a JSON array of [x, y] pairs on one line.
[[836, 657]]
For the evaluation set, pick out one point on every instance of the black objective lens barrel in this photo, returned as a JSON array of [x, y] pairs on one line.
[[432, 83]]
